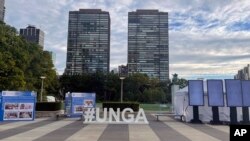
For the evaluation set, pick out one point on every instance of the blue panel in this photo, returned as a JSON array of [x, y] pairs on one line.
[[215, 93], [75, 103], [246, 92], [1, 110], [89, 100], [68, 104], [18, 105], [233, 91], [195, 92]]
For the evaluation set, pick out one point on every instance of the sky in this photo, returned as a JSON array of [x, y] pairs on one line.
[[207, 38]]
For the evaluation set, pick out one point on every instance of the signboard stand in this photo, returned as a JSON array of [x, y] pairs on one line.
[[17, 105], [196, 115], [233, 115], [216, 119], [215, 98], [77, 103], [234, 98], [245, 113], [245, 84], [196, 98]]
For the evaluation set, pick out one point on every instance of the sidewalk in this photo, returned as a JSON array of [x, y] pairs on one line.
[[167, 129]]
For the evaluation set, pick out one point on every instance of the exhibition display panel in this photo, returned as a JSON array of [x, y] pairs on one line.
[[17, 105], [76, 103]]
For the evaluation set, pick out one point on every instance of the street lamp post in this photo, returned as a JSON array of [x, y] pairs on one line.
[[41, 95], [122, 88]]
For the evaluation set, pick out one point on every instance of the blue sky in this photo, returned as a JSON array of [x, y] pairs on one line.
[[207, 38]]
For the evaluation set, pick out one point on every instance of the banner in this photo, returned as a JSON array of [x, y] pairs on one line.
[[195, 92], [17, 105], [75, 103]]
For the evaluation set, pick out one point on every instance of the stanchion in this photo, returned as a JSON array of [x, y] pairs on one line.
[[233, 115], [216, 119], [245, 113], [196, 115]]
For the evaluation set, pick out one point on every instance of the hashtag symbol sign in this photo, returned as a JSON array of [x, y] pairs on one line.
[[89, 115]]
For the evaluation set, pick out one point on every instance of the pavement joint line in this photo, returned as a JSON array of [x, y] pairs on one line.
[[39, 131], [90, 132], [146, 133], [190, 132], [16, 124], [223, 128]]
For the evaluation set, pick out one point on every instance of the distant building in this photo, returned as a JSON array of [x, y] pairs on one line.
[[115, 71], [2, 10], [88, 48], [53, 56], [33, 34], [148, 50], [243, 74], [123, 70]]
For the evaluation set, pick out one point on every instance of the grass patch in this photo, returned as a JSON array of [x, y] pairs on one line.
[[155, 107], [149, 107], [98, 105]]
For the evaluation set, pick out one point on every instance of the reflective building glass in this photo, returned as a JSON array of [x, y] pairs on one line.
[[148, 50], [88, 48]]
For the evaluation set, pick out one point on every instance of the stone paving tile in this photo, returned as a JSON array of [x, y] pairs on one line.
[[167, 129]]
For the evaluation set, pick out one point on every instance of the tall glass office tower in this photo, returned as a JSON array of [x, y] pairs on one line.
[[148, 50], [88, 48]]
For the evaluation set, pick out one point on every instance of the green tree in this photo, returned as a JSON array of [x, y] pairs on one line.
[[22, 63], [137, 87], [179, 81], [112, 87], [182, 83]]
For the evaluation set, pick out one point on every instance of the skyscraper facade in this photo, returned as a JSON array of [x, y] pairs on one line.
[[33, 34], [148, 49], [88, 48], [2, 10]]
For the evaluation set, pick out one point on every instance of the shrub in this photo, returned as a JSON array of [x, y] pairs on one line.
[[115, 105], [49, 106]]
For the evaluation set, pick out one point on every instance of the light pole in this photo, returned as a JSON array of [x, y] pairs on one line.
[[122, 88], [41, 95]]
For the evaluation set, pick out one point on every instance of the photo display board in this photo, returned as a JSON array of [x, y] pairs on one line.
[[17, 105], [215, 93], [195, 92], [245, 84], [68, 104], [1, 111], [76, 103], [233, 93]]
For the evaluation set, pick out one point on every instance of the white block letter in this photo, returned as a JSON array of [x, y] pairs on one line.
[[98, 119], [130, 116], [142, 117]]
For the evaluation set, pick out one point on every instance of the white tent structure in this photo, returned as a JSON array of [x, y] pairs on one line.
[[51, 99], [184, 112]]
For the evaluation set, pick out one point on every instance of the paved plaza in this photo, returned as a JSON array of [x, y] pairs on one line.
[[167, 129]]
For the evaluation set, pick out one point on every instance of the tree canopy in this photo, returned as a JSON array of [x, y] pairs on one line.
[[179, 81], [137, 87], [23, 63]]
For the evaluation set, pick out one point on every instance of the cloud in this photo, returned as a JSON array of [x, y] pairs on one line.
[[208, 36], [205, 37]]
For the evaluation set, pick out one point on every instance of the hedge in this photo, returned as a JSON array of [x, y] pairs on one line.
[[133, 105], [49, 106]]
